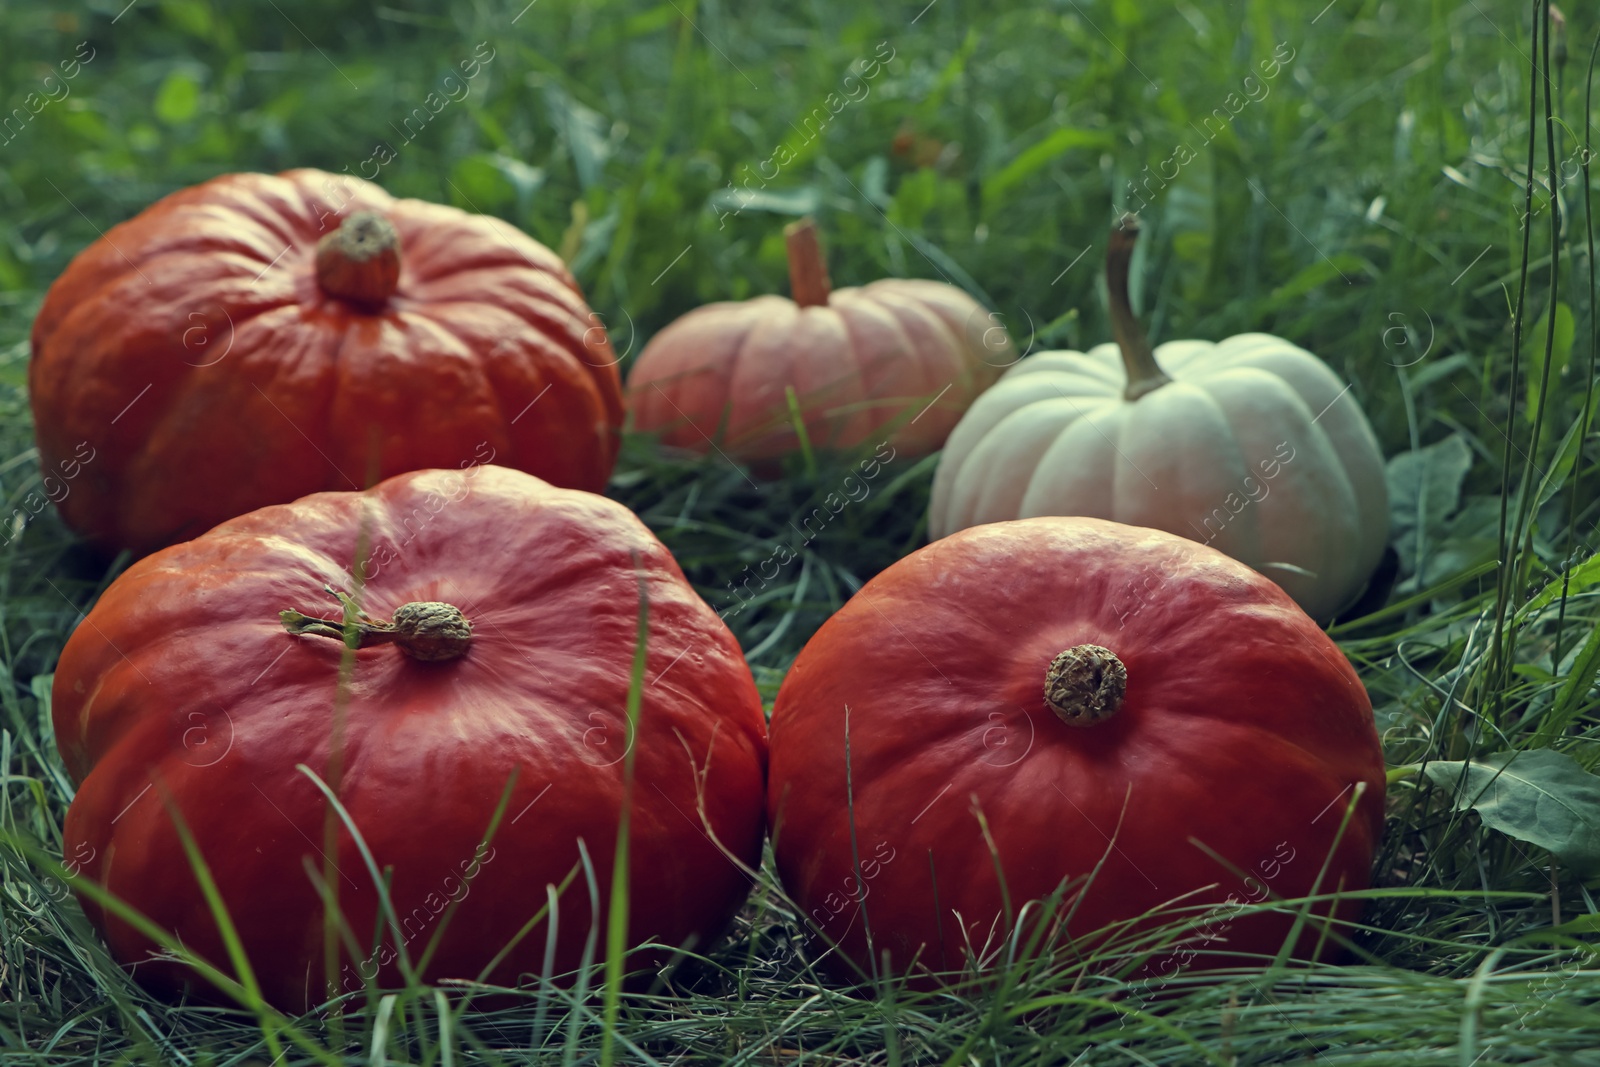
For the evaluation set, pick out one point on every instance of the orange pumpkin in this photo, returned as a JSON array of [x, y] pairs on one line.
[[1117, 713], [254, 339], [897, 356], [514, 609]]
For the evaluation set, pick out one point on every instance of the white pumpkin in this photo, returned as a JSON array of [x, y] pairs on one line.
[[1251, 445]]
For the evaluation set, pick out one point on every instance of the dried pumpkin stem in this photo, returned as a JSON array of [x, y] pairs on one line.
[[1144, 373], [360, 261], [1085, 685], [808, 271], [426, 630]]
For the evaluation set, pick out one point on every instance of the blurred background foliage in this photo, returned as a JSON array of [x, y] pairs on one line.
[[991, 149], [1362, 201]]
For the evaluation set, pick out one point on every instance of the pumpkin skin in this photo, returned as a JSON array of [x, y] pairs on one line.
[[1242, 726], [198, 350], [860, 361], [182, 675], [1252, 447]]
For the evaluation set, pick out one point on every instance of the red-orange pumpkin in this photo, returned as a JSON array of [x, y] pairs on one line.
[[900, 355], [183, 687], [256, 338], [1095, 696]]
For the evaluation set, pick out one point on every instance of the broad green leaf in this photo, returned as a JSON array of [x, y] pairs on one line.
[[178, 99], [1539, 796], [1036, 157], [1424, 491], [1561, 352], [1425, 485]]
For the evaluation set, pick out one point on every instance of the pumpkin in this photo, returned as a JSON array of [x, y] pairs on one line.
[[497, 644], [1251, 445], [256, 338], [900, 356], [1118, 711]]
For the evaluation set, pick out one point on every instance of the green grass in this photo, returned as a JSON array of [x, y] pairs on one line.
[[1368, 206]]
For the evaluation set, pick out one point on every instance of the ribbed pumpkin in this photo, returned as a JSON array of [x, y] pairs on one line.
[[900, 356], [1251, 445], [498, 642], [1069, 704], [256, 338]]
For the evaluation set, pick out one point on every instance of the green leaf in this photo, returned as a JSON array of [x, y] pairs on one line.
[[1583, 924], [1038, 155], [585, 132], [1560, 353], [1580, 678], [1425, 485], [1566, 457], [1324, 270], [42, 686], [1576, 580], [1539, 796], [1435, 369], [1424, 491], [178, 99]]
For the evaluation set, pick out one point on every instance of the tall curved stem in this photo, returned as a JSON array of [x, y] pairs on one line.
[[1144, 373]]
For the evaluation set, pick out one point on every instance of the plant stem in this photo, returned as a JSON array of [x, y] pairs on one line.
[[1144, 373], [1524, 553], [808, 271], [1594, 342], [1498, 672], [428, 631], [360, 261]]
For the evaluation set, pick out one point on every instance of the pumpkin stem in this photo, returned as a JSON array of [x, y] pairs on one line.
[[360, 261], [1144, 373], [808, 271], [425, 630], [1085, 685]]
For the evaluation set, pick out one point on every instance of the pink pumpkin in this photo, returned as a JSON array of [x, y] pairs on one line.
[[896, 358]]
